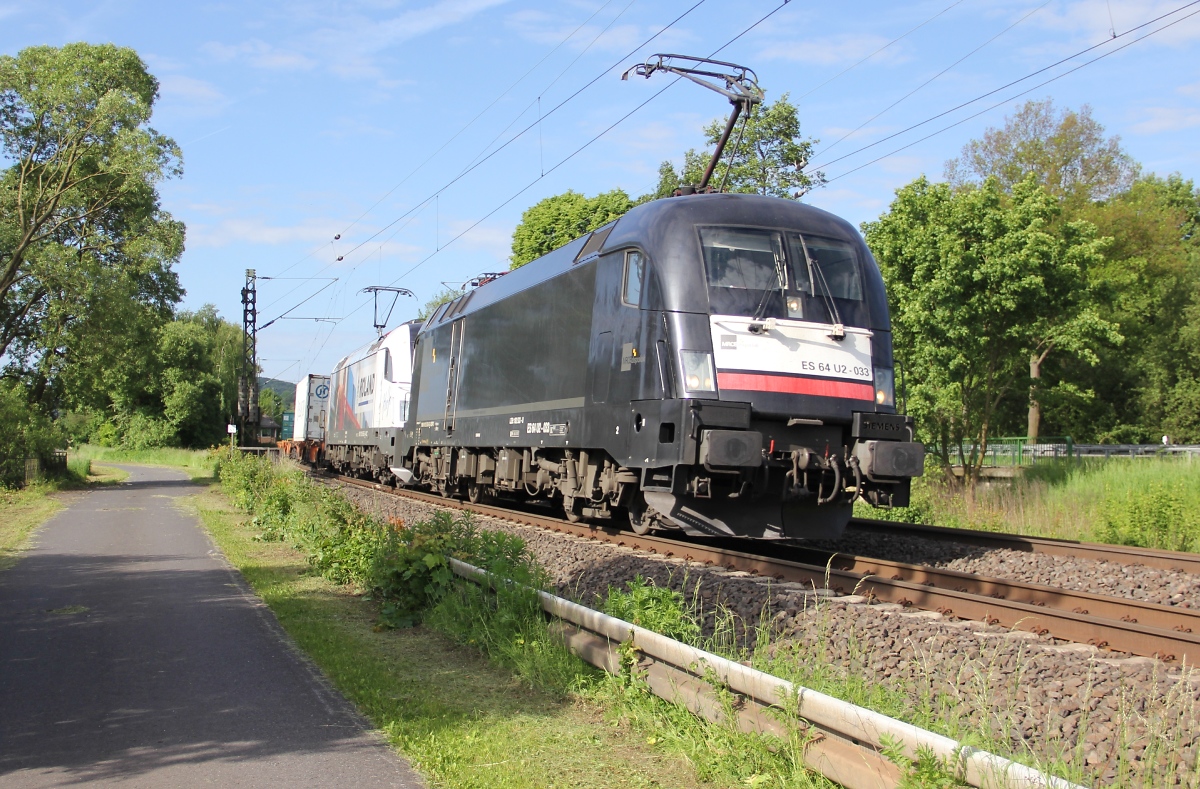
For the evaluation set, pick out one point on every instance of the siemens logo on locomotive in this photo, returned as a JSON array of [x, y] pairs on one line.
[[718, 364]]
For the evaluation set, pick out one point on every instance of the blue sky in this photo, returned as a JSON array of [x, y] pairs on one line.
[[304, 121]]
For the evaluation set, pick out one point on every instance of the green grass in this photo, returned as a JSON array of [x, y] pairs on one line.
[[462, 720], [199, 463], [1152, 503], [21, 512]]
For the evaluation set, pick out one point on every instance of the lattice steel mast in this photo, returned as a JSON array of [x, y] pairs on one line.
[[248, 413]]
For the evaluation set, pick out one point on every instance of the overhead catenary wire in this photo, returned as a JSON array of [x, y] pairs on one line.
[[587, 144], [510, 141], [459, 133], [552, 83], [575, 153], [994, 91], [903, 98], [531, 126], [876, 52], [1023, 92]]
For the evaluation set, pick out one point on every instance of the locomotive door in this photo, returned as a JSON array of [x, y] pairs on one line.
[[456, 343]]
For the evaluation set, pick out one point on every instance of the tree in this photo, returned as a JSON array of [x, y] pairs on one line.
[[766, 155], [1148, 285], [272, 405], [177, 388], [85, 249], [444, 296], [560, 219], [1065, 151], [978, 281]]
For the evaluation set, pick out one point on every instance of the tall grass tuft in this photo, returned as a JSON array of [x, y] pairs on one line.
[[200, 462], [1147, 502]]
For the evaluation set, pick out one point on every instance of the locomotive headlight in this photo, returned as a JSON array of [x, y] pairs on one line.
[[698, 371], [795, 310], [885, 386]]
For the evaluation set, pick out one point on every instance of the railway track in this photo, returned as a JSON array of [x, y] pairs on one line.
[[1122, 554], [1140, 628]]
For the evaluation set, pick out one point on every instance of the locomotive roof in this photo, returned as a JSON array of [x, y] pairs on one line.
[[404, 331], [665, 230]]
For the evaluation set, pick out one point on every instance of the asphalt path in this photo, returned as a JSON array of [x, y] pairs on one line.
[[131, 653]]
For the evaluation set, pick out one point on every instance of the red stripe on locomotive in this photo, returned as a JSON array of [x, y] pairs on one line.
[[785, 384]]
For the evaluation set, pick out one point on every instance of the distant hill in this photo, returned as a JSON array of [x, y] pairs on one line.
[[284, 389]]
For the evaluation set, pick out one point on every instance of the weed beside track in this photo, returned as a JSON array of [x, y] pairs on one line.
[[1146, 502]]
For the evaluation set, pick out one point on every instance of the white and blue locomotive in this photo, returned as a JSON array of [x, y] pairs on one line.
[[718, 363]]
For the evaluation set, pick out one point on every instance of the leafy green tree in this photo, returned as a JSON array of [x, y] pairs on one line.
[[79, 199], [443, 296], [558, 220], [178, 389], [1066, 151], [1148, 285], [767, 155], [25, 432], [979, 281], [272, 405]]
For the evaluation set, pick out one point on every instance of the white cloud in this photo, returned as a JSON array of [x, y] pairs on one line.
[[835, 50], [910, 166], [1092, 22], [258, 231], [596, 36], [191, 94], [1167, 119], [349, 45], [1190, 90], [493, 240], [258, 54]]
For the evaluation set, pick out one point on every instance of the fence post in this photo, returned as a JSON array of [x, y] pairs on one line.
[[33, 470]]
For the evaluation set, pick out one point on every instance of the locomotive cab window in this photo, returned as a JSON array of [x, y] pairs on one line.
[[759, 273], [635, 266]]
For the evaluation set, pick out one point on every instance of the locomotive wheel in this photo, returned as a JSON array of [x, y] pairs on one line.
[[639, 515]]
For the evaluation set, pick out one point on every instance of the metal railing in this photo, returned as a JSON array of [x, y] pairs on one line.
[[1016, 452], [38, 468], [847, 744]]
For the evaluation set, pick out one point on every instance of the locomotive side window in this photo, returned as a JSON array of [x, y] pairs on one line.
[[634, 269]]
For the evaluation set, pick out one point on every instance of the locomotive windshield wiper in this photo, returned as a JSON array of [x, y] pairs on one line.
[[814, 271], [779, 278]]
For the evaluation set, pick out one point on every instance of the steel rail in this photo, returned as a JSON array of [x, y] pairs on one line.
[[1123, 554], [1125, 609], [1038, 617]]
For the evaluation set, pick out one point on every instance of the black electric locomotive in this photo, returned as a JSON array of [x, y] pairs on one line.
[[715, 363]]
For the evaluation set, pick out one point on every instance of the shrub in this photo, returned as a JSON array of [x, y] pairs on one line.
[[142, 431], [1157, 515], [406, 569], [654, 608], [25, 432]]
